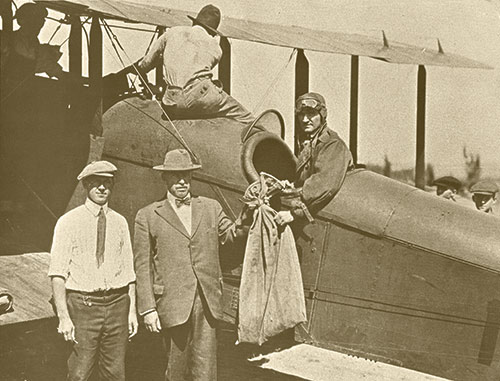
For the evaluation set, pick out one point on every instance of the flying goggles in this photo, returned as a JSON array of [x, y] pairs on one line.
[[307, 103]]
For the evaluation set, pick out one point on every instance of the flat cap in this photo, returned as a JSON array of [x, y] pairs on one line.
[[484, 187], [98, 168], [448, 181]]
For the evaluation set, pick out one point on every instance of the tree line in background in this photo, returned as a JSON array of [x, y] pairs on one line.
[[472, 166]]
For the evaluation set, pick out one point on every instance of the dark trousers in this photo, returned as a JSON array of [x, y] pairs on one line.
[[101, 330], [192, 346]]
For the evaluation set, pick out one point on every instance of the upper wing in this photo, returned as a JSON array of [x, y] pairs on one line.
[[272, 34]]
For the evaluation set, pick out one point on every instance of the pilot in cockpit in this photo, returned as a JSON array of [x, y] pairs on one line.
[[323, 162]]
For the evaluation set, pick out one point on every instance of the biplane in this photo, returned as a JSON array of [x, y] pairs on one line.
[[393, 274]]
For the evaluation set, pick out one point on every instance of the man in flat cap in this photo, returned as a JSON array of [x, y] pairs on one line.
[[323, 161], [93, 280], [484, 195], [447, 187], [188, 54], [179, 280]]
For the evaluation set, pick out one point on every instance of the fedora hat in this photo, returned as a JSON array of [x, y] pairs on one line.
[[208, 17], [177, 160]]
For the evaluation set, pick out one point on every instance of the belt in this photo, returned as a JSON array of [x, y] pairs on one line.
[[189, 83], [112, 291], [193, 80]]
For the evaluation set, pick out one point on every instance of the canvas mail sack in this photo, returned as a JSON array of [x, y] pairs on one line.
[[271, 292]]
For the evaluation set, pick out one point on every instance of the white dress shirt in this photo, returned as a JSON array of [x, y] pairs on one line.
[[183, 212], [73, 252]]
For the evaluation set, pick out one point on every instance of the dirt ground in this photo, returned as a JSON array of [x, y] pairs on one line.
[[36, 353], [280, 360], [311, 363]]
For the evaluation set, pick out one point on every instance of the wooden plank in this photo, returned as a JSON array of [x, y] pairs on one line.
[[25, 277]]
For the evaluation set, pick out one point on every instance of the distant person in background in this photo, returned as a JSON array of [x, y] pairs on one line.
[[22, 53], [447, 187], [189, 53], [484, 195], [323, 162], [93, 280]]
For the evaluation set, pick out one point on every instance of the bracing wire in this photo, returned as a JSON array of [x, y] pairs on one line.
[[157, 31], [67, 38], [55, 32], [114, 47], [177, 134], [275, 81], [151, 41]]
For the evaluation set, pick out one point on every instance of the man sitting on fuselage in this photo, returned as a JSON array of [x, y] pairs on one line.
[[189, 54]]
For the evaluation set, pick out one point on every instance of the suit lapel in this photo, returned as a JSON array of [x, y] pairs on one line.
[[166, 212], [196, 213]]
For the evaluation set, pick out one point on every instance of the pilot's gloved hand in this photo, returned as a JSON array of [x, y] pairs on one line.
[[283, 218], [287, 184], [291, 192]]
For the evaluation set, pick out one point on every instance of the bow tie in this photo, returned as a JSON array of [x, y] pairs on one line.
[[183, 201]]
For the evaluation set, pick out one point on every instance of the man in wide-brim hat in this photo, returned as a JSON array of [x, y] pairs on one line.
[[179, 281], [188, 54]]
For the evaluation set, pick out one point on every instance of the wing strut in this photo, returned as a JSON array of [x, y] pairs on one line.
[[353, 123], [301, 86], [420, 154]]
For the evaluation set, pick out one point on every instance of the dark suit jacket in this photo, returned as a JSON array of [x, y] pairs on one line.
[[169, 263]]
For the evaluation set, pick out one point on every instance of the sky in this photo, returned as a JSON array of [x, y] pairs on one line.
[[463, 105]]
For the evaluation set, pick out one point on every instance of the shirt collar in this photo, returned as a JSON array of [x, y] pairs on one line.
[[318, 132], [171, 198], [93, 208]]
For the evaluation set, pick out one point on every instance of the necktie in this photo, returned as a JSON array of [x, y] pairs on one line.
[[182, 201], [101, 237]]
